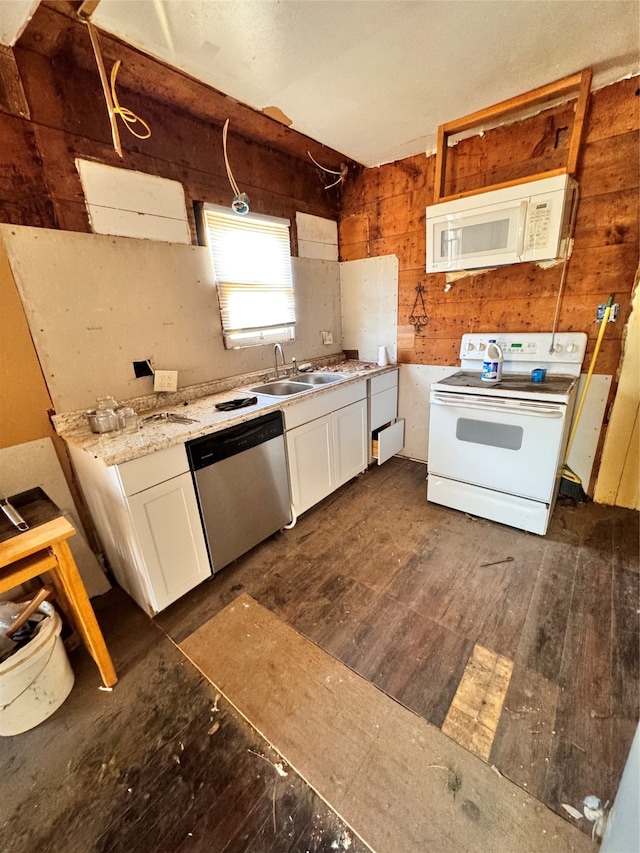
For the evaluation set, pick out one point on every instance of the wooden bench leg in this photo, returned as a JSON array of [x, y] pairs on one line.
[[67, 577]]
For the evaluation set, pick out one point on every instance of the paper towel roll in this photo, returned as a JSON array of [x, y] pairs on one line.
[[383, 357]]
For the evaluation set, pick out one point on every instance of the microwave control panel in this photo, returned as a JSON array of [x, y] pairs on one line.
[[538, 220]]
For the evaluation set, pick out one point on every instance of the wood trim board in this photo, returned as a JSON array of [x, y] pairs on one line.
[[397, 781], [580, 83]]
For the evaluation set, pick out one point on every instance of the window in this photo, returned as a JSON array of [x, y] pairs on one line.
[[252, 266]]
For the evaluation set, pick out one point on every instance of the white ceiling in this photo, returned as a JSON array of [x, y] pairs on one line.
[[374, 80]]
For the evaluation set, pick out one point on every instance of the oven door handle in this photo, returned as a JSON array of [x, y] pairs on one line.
[[538, 412]]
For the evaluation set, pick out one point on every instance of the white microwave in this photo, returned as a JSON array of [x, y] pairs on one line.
[[528, 222]]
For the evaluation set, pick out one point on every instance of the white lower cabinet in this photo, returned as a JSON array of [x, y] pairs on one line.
[[147, 517], [325, 453], [167, 523]]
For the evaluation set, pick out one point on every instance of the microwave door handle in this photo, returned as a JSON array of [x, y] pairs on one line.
[[496, 407], [522, 220]]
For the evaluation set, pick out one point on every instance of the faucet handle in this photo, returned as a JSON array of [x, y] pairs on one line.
[[295, 365]]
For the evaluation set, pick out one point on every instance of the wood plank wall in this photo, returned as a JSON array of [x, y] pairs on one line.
[[39, 184], [384, 212]]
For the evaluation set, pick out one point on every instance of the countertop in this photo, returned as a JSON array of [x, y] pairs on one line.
[[116, 448]]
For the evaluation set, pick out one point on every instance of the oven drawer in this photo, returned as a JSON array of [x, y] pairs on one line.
[[506, 445], [496, 506]]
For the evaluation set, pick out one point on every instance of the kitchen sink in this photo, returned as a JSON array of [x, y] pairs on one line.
[[281, 388], [321, 378]]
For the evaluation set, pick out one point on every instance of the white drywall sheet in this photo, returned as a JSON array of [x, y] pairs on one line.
[[134, 204], [413, 405], [317, 237], [14, 17], [369, 290], [95, 304], [35, 463], [585, 442]]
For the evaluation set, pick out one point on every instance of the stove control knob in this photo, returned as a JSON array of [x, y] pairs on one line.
[[482, 347], [558, 347], [470, 346], [572, 348]]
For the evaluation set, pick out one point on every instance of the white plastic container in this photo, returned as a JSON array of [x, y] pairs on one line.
[[492, 365], [36, 680]]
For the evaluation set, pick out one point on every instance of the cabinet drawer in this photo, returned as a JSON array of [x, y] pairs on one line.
[[383, 407], [388, 442], [154, 468], [318, 405], [383, 382]]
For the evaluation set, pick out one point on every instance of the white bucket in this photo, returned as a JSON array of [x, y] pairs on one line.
[[36, 680]]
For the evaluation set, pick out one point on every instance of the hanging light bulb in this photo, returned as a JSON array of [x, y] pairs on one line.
[[240, 203]]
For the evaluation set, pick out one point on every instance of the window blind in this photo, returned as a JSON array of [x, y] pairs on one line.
[[252, 265]]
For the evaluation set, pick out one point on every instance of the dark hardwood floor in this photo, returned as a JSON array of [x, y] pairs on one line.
[[393, 587]]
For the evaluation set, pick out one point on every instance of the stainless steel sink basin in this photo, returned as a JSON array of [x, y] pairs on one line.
[[321, 378], [281, 388]]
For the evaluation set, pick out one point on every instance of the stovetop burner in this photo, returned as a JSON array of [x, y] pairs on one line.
[[515, 385]]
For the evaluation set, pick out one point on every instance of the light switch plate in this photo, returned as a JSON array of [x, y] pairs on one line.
[[165, 380], [327, 337]]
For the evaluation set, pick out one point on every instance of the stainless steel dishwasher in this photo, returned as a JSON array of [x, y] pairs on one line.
[[240, 475]]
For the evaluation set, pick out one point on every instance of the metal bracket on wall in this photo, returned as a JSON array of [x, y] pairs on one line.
[[418, 317]]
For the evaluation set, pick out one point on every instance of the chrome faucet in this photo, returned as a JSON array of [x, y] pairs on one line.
[[275, 358]]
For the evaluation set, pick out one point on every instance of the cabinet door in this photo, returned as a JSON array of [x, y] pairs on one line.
[[310, 451], [167, 523], [350, 442]]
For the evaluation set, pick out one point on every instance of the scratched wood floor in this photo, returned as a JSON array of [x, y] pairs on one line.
[[394, 588]]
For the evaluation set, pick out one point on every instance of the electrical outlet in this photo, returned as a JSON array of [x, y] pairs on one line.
[[613, 316], [165, 380], [327, 337]]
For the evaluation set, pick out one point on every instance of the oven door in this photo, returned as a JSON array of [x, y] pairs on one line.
[[511, 446]]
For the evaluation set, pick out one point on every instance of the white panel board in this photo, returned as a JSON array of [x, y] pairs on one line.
[[14, 17], [35, 463], [585, 442], [134, 204], [413, 405], [317, 297], [369, 293], [317, 237], [322, 251], [95, 304]]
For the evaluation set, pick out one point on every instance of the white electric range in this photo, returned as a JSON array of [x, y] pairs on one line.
[[497, 450]]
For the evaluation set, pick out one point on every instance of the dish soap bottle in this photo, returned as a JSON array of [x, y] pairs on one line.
[[492, 365]]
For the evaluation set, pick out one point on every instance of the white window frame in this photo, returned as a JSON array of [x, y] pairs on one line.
[[256, 298]]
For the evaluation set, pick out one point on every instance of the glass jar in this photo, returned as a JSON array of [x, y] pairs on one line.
[[102, 420], [107, 402], [127, 419]]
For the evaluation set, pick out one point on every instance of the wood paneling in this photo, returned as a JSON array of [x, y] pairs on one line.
[[392, 199], [39, 184]]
